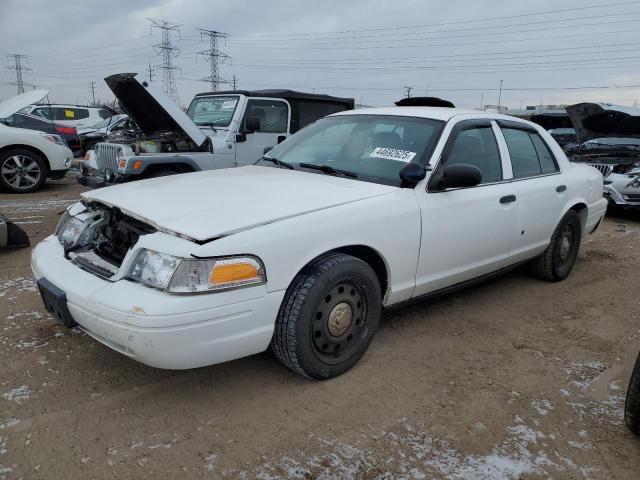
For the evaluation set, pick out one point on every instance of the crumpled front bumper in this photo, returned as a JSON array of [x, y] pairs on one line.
[[156, 328], [622, 190]]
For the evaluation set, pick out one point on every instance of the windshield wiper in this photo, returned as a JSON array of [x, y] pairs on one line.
[[277, 162], [329, 170]]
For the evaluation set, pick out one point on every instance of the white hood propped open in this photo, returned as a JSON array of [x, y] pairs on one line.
[[14, 104]]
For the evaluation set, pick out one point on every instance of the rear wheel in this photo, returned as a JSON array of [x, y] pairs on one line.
[[632, 405], [161, 173], [22, 171], [560, 257], [328, 317]]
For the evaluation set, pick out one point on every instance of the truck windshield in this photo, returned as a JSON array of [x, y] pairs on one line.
[[372, 148], [214, 111]]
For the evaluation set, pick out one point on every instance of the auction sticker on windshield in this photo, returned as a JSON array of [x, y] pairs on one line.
[[393, 154]]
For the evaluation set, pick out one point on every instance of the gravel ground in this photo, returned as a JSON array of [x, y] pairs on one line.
[[516, 378]]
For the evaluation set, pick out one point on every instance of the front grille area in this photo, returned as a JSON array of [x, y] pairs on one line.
[[632, 197], [107, 156], [604, 169]]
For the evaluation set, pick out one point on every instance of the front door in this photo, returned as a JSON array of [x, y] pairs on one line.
[[466, 232], [274, 116]]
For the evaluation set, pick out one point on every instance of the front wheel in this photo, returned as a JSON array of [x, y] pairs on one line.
[[557, 261], [328, 317]]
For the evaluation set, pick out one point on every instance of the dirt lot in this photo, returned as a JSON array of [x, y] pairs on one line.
[[516, 378]]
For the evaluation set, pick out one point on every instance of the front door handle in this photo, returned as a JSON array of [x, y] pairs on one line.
[[508, 199], [561, 188]]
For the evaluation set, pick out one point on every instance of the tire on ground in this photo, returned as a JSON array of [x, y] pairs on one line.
[[336, 297], [555, 263], [6, 164], [632, 405]]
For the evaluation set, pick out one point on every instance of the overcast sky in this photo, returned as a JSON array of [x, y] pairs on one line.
[[543, 50]]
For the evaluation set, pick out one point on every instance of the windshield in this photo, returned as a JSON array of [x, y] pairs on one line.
[[213, 111], [372, 147]]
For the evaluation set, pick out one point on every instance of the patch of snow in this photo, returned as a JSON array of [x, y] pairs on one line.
[[582, 374], [9, 422], [18, 395], [542, 406], [211, 461], [19, 285]]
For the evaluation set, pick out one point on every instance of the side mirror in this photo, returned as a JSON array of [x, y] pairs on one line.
[[267, 150], [412, 173], [241, 137], [252, 124], [460, 175]]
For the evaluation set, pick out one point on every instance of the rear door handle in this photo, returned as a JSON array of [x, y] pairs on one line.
[[561, 188], [508, 199]]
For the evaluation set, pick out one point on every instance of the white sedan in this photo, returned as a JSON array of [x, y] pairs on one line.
[[359, 211]]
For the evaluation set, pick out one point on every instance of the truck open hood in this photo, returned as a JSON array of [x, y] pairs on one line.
[[14, 104], [150, 108], [551, 120], [217, 203], [604, 120]]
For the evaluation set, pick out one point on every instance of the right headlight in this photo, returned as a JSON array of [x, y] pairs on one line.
[[176, 275]]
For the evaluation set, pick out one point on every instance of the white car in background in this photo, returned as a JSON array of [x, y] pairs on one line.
[[79, 116], [359, 211], [29, 157]]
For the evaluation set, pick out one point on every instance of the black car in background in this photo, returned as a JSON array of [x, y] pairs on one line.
[[31, 122]]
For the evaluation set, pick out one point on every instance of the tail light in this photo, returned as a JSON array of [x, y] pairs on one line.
[[67, 130]]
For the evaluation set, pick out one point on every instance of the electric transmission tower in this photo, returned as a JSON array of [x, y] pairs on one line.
[[92, 90], [19, 68], [214, 56], [168, 53]]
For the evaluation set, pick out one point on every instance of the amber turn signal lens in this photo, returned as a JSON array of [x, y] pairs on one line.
[[233, 272], [137, 164], [122, 163]]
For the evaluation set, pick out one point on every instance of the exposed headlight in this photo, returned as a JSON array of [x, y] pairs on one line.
[[57, 139], [72, 232], [176, 275]]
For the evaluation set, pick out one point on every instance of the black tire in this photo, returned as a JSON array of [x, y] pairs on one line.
[[328, 317], [165, 172], [632, 405], [22, 171], [90, 145], [559, 258]]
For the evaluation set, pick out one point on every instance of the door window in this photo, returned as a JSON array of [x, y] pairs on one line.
[[477, 146], [529, 154], [273, 115]]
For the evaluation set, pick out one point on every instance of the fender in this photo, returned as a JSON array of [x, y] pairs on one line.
[[166, 160]]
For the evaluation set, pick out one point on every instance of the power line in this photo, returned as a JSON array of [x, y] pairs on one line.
[[214, 56], [18, 68], [168, 53], [458, 22]]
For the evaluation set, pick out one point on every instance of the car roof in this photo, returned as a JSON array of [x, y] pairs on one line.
[[64, 105], [435, 113]]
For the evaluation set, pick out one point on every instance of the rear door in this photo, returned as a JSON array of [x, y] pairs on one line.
[[539, 186], [274, 115]]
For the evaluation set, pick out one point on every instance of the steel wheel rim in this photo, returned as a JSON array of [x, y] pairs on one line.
[[339, 322], [567, 239], [21, 172]]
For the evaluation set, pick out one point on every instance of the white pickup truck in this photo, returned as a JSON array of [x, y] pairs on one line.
[[219, 130]]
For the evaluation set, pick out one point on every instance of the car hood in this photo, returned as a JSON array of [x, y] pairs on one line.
[[150, 108], [14, 104], [552, 120], [217, 203], [604, 120]]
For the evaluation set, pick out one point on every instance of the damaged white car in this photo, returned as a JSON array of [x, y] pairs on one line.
[[359, 211], [609, 140]]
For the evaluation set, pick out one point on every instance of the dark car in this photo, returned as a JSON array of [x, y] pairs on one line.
[[31, 122], [565, 137]]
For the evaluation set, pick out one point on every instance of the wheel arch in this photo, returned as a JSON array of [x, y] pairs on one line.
[[30, 148], [582, 210], [367, 254]]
